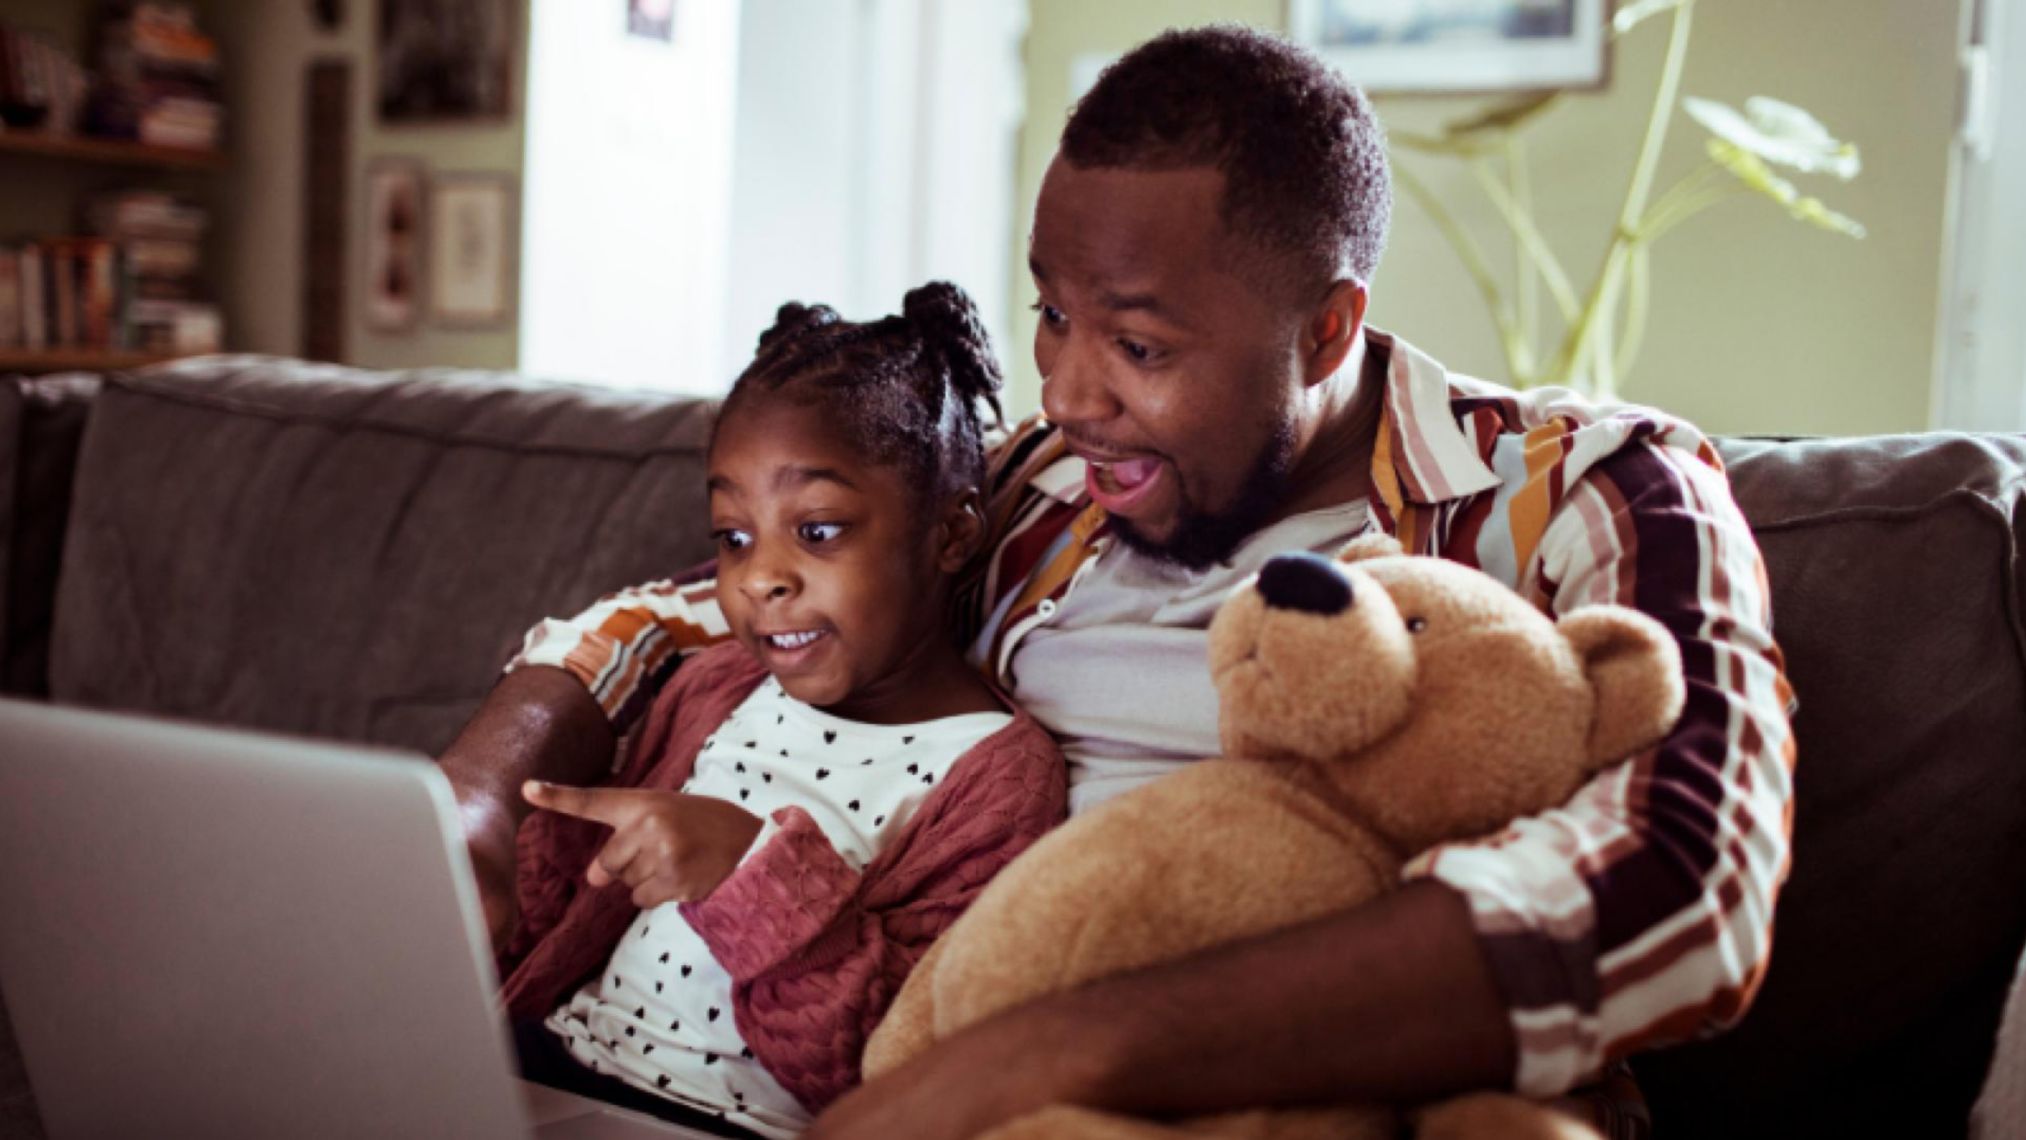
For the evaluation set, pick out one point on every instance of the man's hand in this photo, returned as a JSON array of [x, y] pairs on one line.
[[997, 1071], [666, 846], [1389, 1002]]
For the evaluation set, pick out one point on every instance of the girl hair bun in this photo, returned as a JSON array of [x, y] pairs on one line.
[[946, 319], [794, 318]]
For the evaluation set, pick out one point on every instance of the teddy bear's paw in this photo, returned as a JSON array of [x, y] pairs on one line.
[[1483, 1116]]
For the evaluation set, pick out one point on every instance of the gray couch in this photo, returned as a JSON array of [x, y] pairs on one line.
[[340, 553]]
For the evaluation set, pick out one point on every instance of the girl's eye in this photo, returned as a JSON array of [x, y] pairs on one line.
[[729, 539], [817, 533], [1050, 315], [1416, 625], [1139, 353]]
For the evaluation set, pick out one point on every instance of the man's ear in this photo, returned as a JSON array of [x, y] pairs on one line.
[[1333, 327], [961, 530], [1634, 669]]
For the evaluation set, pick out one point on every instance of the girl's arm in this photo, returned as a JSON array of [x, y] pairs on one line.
[[817, 950]]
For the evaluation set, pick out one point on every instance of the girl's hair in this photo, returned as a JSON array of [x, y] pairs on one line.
[[908, 391]]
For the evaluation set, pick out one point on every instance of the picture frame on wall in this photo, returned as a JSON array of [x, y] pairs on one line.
[[396, 211], [1459, 46], [651, 19], [445, 61], [472, 250]]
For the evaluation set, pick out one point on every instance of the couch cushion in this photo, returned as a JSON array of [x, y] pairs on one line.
[[1896, 585], [327, 551], [41, 423]]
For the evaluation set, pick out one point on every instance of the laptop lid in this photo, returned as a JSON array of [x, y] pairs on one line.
[[217, 933]]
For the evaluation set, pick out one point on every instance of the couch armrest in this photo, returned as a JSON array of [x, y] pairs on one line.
[[41, 426]]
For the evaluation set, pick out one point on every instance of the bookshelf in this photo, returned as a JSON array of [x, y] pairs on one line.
[[111, 138], [80, 148]]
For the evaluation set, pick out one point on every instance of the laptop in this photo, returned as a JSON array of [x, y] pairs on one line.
[[214, 933]]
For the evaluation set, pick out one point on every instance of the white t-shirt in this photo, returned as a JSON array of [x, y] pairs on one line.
[[1121, 673], [660, 1015]]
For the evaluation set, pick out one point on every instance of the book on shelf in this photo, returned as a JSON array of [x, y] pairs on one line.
[[84, 293], [10, 299], [158, 78], [34, 305]]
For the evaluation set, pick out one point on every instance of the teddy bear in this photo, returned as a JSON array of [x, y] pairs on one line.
[[1371, 707]]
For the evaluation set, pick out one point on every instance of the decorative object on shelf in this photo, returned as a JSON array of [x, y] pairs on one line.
[[651, 19], [1603, 326], [394, 244], [445, 61], [471, 240], [1458, 45], [327, 157], [42, 87]]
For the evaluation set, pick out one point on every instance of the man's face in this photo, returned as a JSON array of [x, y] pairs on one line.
[[1172, 375]]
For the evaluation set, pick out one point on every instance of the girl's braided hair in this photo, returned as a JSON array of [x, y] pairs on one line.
[[909, 391]]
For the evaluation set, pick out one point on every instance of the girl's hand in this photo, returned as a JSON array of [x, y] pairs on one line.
[[667, 846]]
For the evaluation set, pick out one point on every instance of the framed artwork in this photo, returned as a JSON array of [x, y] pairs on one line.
[[394, 244], [1423, 46], [471, 250], [651, 19], [445, 61]]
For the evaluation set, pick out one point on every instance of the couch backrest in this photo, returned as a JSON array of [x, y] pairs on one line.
[[321, 550], [1896, 584]]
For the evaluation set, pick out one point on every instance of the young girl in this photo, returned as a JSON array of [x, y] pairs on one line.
[[807, 807]]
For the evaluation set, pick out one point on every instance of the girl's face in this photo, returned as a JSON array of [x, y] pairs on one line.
[[825, 573]]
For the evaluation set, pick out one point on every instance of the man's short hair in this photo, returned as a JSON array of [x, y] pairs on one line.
[[1303, 157]]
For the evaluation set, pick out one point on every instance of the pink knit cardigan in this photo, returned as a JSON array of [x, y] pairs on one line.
[[815, 948]]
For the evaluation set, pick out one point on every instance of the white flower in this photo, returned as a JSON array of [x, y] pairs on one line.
[[1779, 133]]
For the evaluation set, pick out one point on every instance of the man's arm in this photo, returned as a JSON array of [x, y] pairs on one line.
[[559, 712], [538, 723], [1392, 1001]]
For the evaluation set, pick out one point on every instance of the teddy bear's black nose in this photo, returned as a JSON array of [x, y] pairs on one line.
[[1309, 583]]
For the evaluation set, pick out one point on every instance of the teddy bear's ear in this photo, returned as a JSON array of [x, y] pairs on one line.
[[1634, 669], [1376, 544]]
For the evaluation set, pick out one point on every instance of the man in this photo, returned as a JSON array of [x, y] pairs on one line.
[[1202, 247]]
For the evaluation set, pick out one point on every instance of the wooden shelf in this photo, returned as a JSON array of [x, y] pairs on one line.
[[119, 151], [76, 360]]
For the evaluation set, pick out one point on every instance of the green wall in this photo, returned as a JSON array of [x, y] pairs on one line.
[[1759, 324], [268, 46]]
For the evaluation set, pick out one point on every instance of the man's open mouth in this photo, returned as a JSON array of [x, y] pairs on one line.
[[1120, 476]]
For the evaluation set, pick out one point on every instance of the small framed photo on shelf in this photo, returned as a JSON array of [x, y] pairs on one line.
[[1459, 46], [471, 250], [395, 211]]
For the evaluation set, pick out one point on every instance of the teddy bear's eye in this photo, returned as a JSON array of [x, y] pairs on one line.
[[1416, 625]]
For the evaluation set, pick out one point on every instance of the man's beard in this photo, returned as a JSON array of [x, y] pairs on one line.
[[1202, 540]]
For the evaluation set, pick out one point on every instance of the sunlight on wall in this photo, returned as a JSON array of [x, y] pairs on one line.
[[628, 189]]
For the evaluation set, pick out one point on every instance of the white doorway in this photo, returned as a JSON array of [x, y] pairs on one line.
[[1981, 368]]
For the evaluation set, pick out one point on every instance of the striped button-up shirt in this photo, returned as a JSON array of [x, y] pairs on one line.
[[1638, 913]]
